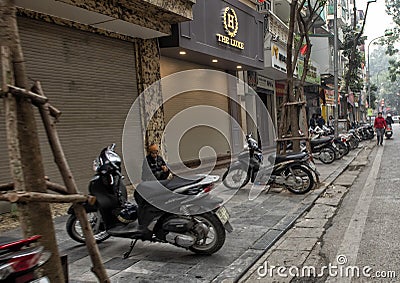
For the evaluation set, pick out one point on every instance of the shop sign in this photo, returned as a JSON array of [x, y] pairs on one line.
[[329, 96], [279, 58], [279, 89], [312, 76], [231, 27], [265, 83], [277, 27]]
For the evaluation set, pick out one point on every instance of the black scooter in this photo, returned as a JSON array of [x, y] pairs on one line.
[[177, 211], [293, 171], [388, 131]]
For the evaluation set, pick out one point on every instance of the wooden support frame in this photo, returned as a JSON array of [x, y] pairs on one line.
[[36, 99], [50, 186], [23, 197], [71, 187], [292, 138], [300, 103]]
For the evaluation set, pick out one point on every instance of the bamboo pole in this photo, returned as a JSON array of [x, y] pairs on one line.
[[56, 188], [7, 187], [23, 144], [69, 181], [50, 186], [15, 196], [28, 94]]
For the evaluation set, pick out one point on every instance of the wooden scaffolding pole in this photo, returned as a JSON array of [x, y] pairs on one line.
[[69, 181], [23, 144]]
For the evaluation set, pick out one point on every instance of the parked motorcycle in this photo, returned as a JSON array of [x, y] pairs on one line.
[[323, 148], [19, 260], [366, 132], [189, 217], [388, 131], [293, 171]]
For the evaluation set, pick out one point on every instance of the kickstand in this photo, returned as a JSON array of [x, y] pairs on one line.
[[127, 254], [268, 189]]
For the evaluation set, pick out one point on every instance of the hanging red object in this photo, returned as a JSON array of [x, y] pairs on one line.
[[303, 49]]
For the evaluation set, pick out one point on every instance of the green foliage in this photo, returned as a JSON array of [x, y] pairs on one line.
[[353, 67], [393, 9]]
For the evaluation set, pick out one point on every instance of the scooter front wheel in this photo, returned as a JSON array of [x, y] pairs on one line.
[[75, 231], [235, 178]]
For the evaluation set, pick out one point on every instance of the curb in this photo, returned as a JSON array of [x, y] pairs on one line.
[[314, 196]]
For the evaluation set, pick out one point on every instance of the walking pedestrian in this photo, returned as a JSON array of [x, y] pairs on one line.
[[380, 126]]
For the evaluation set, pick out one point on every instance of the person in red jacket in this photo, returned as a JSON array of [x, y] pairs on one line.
[[380, 126]]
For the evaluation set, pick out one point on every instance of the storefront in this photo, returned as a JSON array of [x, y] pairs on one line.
[[275, 63], [226, 37], [329, 102], [265, 88], [88, 58], [314, 95], [280, 88]]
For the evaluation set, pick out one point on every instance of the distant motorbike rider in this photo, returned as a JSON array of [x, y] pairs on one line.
[[154, 166], [389, 120], [380, 126]]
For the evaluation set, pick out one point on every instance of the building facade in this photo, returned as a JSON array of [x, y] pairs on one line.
[[93, 59]]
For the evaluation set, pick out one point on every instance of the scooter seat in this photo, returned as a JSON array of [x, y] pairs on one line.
[[173, 184], [321, 140], [291, 156]]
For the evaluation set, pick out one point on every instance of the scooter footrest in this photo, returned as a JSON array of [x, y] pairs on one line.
[[129, 231]]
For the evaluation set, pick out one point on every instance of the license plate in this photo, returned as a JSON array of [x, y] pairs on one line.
[[41, 280], [312, 165], [222, 214]]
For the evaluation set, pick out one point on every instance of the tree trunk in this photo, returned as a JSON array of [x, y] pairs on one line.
[[37, 217]]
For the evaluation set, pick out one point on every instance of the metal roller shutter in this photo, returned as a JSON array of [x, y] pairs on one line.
[[197, 136], [91, 79]]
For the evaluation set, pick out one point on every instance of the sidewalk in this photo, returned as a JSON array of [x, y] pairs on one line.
[[258, 225], [297, 247]]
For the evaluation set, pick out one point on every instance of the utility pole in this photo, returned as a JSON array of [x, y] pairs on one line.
[[335, 69]]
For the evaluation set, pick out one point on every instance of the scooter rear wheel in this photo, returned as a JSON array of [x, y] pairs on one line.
[[303, 180], [327, 155], [74, 228], [215, 238], [235, 178], [342, 149]]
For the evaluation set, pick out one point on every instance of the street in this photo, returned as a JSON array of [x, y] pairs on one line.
[[257, 224], [355, 235], [161, 88]]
